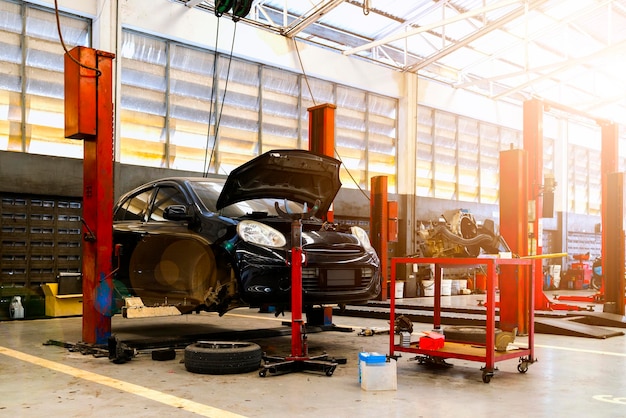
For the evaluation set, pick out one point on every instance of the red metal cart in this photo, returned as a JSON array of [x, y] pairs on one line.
[[473, 352]]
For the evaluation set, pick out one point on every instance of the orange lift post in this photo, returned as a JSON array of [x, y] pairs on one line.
[[383, 214], [613, 246], [612, 261], [322, 135], [613, 207], [533, 145], [89, 116], [513, 282], [379, 223]]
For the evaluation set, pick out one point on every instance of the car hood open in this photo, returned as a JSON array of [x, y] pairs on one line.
[[297, 175]]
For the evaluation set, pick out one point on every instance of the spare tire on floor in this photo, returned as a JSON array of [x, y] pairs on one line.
[[468, 334], [222, 357]]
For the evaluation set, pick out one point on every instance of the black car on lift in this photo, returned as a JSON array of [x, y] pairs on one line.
[[209, 244]]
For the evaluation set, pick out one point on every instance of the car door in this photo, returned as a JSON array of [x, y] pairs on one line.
[[129, 221], [170, 264]]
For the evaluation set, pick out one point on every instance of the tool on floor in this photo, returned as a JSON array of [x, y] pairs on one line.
[[368, 332]]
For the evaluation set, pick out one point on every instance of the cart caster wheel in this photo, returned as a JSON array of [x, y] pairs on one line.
[[522, 367], [329, 372], [487, 377], [263, 372]]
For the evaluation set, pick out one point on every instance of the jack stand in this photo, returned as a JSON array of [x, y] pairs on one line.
[[299, 359]]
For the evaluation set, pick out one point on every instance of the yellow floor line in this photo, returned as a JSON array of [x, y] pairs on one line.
[[154, 395]]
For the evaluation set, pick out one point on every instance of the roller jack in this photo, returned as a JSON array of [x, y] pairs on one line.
[[299, 359]]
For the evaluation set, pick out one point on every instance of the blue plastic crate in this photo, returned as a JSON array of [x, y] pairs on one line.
[[372, 358]]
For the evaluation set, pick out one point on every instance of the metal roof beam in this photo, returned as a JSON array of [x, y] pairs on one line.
[[557, 65], [497, 24], [193, 3], [316, 13], [602, 102], [569, 63], [409, 20], [538, 34], [426, 28]]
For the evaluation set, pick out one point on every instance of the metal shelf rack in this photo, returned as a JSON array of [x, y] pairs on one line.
[[470, 351]]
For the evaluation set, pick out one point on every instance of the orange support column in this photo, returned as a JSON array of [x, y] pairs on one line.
[[613, 267], [513, 228], [612, 210], [379, 218], [533, 144], [89, 116], [322, 129], [322, 135]]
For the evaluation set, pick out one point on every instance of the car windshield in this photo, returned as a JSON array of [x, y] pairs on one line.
[[208, 192]]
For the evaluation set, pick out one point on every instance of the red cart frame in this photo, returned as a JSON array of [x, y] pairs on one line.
[[466, 351]]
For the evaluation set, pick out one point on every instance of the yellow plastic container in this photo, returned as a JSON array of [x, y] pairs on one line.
[[62, 305]]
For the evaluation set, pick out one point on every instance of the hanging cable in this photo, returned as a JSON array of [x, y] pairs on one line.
[[58, 19], [306, 78], [240, 9], [219, 117], [351, 176], [207, 164]]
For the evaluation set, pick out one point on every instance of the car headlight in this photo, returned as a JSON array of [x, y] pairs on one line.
[[361, 235], [260, 234]]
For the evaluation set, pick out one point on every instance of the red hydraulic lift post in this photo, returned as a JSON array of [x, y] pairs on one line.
[[89, 116], [379, 224], [533, 144], [322, 141], [613, 206], [613, 267], [514, 304], [299, 359], [608, 164], [533, 140], [322, 135]]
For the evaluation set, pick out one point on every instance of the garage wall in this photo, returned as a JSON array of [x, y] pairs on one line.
[[30, 175], [35, 175]]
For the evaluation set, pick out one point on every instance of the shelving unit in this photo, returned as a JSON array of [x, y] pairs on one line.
[[470, 351]]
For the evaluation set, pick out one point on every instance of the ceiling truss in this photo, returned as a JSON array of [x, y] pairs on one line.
[[504, 49]]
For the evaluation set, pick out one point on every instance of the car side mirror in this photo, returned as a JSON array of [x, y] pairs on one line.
[[177, 213]]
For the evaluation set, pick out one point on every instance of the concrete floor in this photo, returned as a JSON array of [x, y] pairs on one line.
[[573, 376]]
